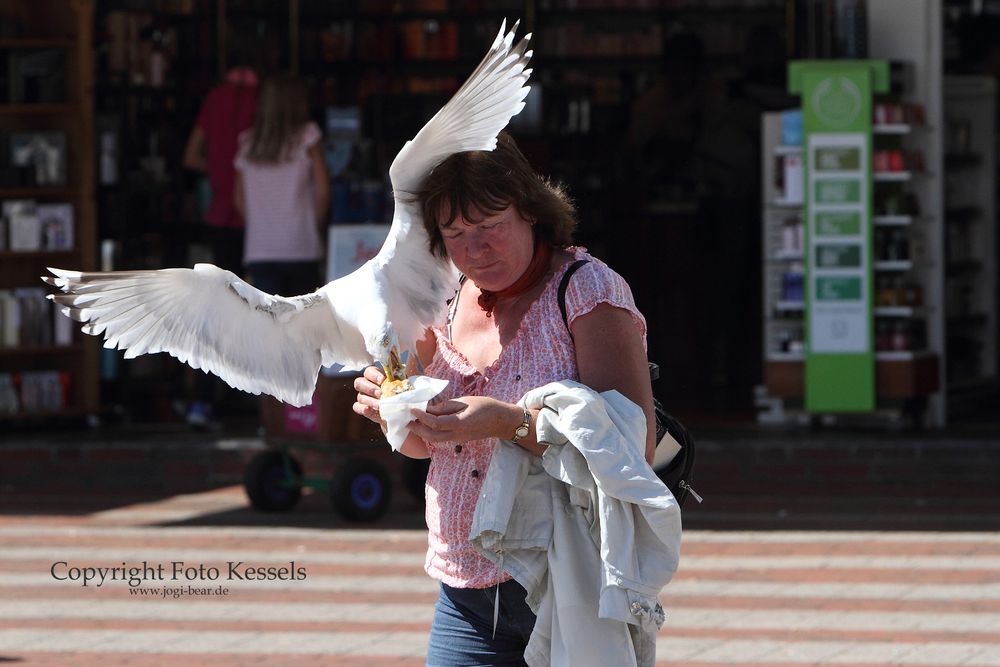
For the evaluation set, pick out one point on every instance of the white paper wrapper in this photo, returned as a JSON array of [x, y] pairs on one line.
[[395, 410]]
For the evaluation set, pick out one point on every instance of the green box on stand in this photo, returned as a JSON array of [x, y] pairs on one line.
[[839, 284]]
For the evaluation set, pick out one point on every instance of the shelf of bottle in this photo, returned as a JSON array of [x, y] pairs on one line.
[[774, 355], [787, 150], [958, 161], [36, 350], [121, 88], [735, 12], [38, 192], [899, 311], [402, 66], [893, 265], [68, 411], [969, 319], [46, 109], [884, 355], [789, 306], [879, 311], [963, 213], [892, 176], [892, 128], [877, 220], [37, 43], [786, 203], [31, 255], [972, 384], [963, 267], [337, 14], [894, 220], [787, 256]]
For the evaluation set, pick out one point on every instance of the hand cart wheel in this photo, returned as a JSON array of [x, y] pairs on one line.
[[273, 481], [361, 490]]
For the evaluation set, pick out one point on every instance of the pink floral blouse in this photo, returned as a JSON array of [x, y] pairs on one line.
[[540, 352]]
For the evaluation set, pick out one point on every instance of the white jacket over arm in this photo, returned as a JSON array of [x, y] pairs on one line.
[[588, 529]]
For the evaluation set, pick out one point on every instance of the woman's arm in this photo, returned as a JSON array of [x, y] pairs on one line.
[[475, 418], [239, 196], [369, 392], [366, 405], [194, 151], [321, 184], [624, 368]]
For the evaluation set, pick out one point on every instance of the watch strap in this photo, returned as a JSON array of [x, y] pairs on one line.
[[523, 429]]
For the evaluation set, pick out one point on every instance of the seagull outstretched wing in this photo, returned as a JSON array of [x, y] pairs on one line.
[[419, 283], [210, 319]]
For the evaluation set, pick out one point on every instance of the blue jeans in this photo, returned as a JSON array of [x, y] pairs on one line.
[[462, 631]]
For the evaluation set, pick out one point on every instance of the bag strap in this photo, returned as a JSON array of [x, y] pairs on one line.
[[563, 284]]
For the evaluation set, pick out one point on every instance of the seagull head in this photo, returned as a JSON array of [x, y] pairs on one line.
[[384, 347]]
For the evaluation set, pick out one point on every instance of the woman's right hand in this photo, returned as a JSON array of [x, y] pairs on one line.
[[369, 393]]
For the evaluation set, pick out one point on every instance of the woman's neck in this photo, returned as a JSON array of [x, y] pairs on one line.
[[541, 258]]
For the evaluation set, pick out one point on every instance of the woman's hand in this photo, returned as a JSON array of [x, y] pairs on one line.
[[466, 418], [369, 393]]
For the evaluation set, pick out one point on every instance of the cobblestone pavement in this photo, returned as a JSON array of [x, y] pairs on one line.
[[789, 598]]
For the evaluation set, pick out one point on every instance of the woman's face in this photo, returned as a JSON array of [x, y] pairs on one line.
[[492, 252]]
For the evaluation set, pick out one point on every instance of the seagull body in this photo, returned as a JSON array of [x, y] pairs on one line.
[[210, 319]]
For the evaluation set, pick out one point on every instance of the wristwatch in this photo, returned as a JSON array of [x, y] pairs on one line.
[[522, 430]]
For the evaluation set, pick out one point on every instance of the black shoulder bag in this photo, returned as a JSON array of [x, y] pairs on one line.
[[677, 474]]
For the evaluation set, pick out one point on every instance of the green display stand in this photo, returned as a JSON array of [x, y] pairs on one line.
[[838, 243]]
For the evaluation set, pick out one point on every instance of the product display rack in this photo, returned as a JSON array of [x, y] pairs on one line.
[[52, 25], [909, 32], [903, 377], [970, 276]]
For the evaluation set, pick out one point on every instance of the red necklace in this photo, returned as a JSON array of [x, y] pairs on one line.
[[536, 271]]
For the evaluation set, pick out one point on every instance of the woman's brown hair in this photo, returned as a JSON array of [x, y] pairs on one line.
[[477, 183], [282, 112]]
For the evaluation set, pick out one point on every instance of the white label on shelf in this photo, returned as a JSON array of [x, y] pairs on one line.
[[838, 253]]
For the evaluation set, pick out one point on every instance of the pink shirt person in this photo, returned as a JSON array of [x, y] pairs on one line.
[[281, 216], [542, 351]]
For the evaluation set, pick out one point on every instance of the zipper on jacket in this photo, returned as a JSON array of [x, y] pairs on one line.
[[690, 489]]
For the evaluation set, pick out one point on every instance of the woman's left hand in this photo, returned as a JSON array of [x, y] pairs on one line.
[[466, 418]]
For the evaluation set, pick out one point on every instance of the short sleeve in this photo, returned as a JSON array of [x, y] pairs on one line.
[[595, 283], [311, 135]]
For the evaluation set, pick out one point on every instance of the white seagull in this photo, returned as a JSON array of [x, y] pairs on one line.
[[262, 343]]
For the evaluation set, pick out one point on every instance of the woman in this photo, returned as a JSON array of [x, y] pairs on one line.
[[508, 231], [283, 190]]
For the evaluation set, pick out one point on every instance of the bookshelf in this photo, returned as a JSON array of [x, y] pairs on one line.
[[47, 368]]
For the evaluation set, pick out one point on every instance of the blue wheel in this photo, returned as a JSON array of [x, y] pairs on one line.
[[361, 490]]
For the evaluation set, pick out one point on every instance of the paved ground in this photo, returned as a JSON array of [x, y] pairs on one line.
[[762, 597]]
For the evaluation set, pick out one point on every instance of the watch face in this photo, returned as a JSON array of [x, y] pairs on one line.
[[521, 431]]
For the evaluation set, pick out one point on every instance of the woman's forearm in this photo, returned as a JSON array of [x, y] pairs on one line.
[[414, 447]]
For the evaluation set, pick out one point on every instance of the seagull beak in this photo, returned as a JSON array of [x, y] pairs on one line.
[[393, 367]]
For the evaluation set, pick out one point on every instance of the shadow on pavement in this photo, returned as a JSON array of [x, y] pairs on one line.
[[314, 511]]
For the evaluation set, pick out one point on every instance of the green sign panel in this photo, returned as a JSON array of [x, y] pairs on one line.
[[838, 256], [837, 191], [838, 289], [837, 158], [834, 223], [837, 111]]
